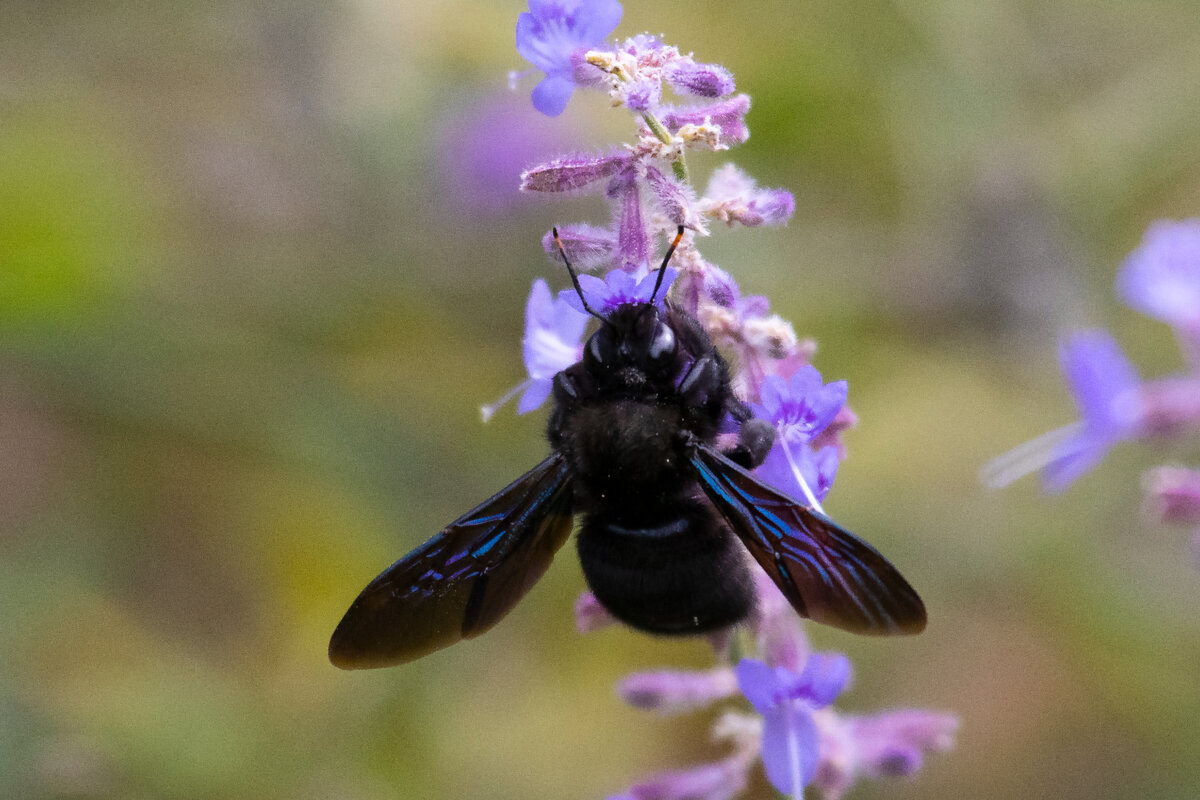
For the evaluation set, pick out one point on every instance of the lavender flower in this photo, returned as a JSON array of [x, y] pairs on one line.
[[794, 730], [732, 196], [702, 80], [553, 334], [552, 33], [590, 615], [1161, 278], [676, 690], [890, 744], [1173, 494], [729, 117], [800, 408], [618, 288], [587, 246], [797, 736], [1105, 387], [566, 173], [786, 700]]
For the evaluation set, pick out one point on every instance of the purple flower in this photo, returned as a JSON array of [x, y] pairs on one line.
[[618, 288], [802, 406], [677, 690], [729, 115], [892, 743], [551, 33], [1173, 494], [1161, 277], [643, 95], [790, 467], [786, 700], [590, 615], [1107, 390], [633, 245], [1104, 384], [676, 200], [587, 246], [721, 780], [553, 330], [566, 173], [733, 196], [702, 80]]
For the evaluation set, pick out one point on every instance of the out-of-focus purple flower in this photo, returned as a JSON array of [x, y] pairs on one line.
[[587, 246], [618, 288], [477, 180], [720, 780], [733, 196], [566, 173], [1173, 494], [590, 615], [702, 80], [677, 690], [1161, 277], [1107, 391], [786, 700], [729, 115], [1105, 386], [551, 32], [1169, 407], [781, 639], [892, 743]]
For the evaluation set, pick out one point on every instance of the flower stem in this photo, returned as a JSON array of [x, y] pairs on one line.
[[678, 165]]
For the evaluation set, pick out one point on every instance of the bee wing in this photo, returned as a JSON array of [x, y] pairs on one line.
[[462, 581], [827, 573]]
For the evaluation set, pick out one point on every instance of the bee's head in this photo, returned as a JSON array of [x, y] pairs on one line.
[[635, 338]]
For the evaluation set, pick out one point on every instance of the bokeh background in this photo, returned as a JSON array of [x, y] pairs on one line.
[[260, 264]]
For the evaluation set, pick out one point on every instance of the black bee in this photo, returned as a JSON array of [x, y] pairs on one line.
[[667, 517]]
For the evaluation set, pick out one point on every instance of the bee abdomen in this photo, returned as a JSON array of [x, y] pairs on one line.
[[684, 575]]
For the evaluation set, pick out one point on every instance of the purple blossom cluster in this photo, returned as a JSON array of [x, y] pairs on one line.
[[681, 106], [792, 728], [1161, 278], [650, 195]]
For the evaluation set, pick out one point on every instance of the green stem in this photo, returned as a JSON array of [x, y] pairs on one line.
[[678, 165]]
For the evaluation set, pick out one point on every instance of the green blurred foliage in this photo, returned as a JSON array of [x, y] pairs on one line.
[[260, 264]]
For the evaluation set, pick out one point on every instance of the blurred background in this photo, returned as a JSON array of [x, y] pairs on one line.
[[260, 264]]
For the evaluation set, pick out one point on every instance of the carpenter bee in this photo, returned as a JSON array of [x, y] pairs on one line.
[[667, 516]]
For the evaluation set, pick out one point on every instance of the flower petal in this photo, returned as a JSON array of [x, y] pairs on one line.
[[790, 748], [825, 676], [535, 395], [759, 683], [551, 95]]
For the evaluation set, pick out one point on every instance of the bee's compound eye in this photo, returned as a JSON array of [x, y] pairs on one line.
[[663, 344], [599, 348]]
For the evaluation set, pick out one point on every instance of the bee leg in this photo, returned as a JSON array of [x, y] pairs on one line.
[[755, 440]]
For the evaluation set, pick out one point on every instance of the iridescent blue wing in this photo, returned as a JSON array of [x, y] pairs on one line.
[[827, 573], [462, 581]]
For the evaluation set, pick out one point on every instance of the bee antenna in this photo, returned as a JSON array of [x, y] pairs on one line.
[[574, 277], [666, 259]]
